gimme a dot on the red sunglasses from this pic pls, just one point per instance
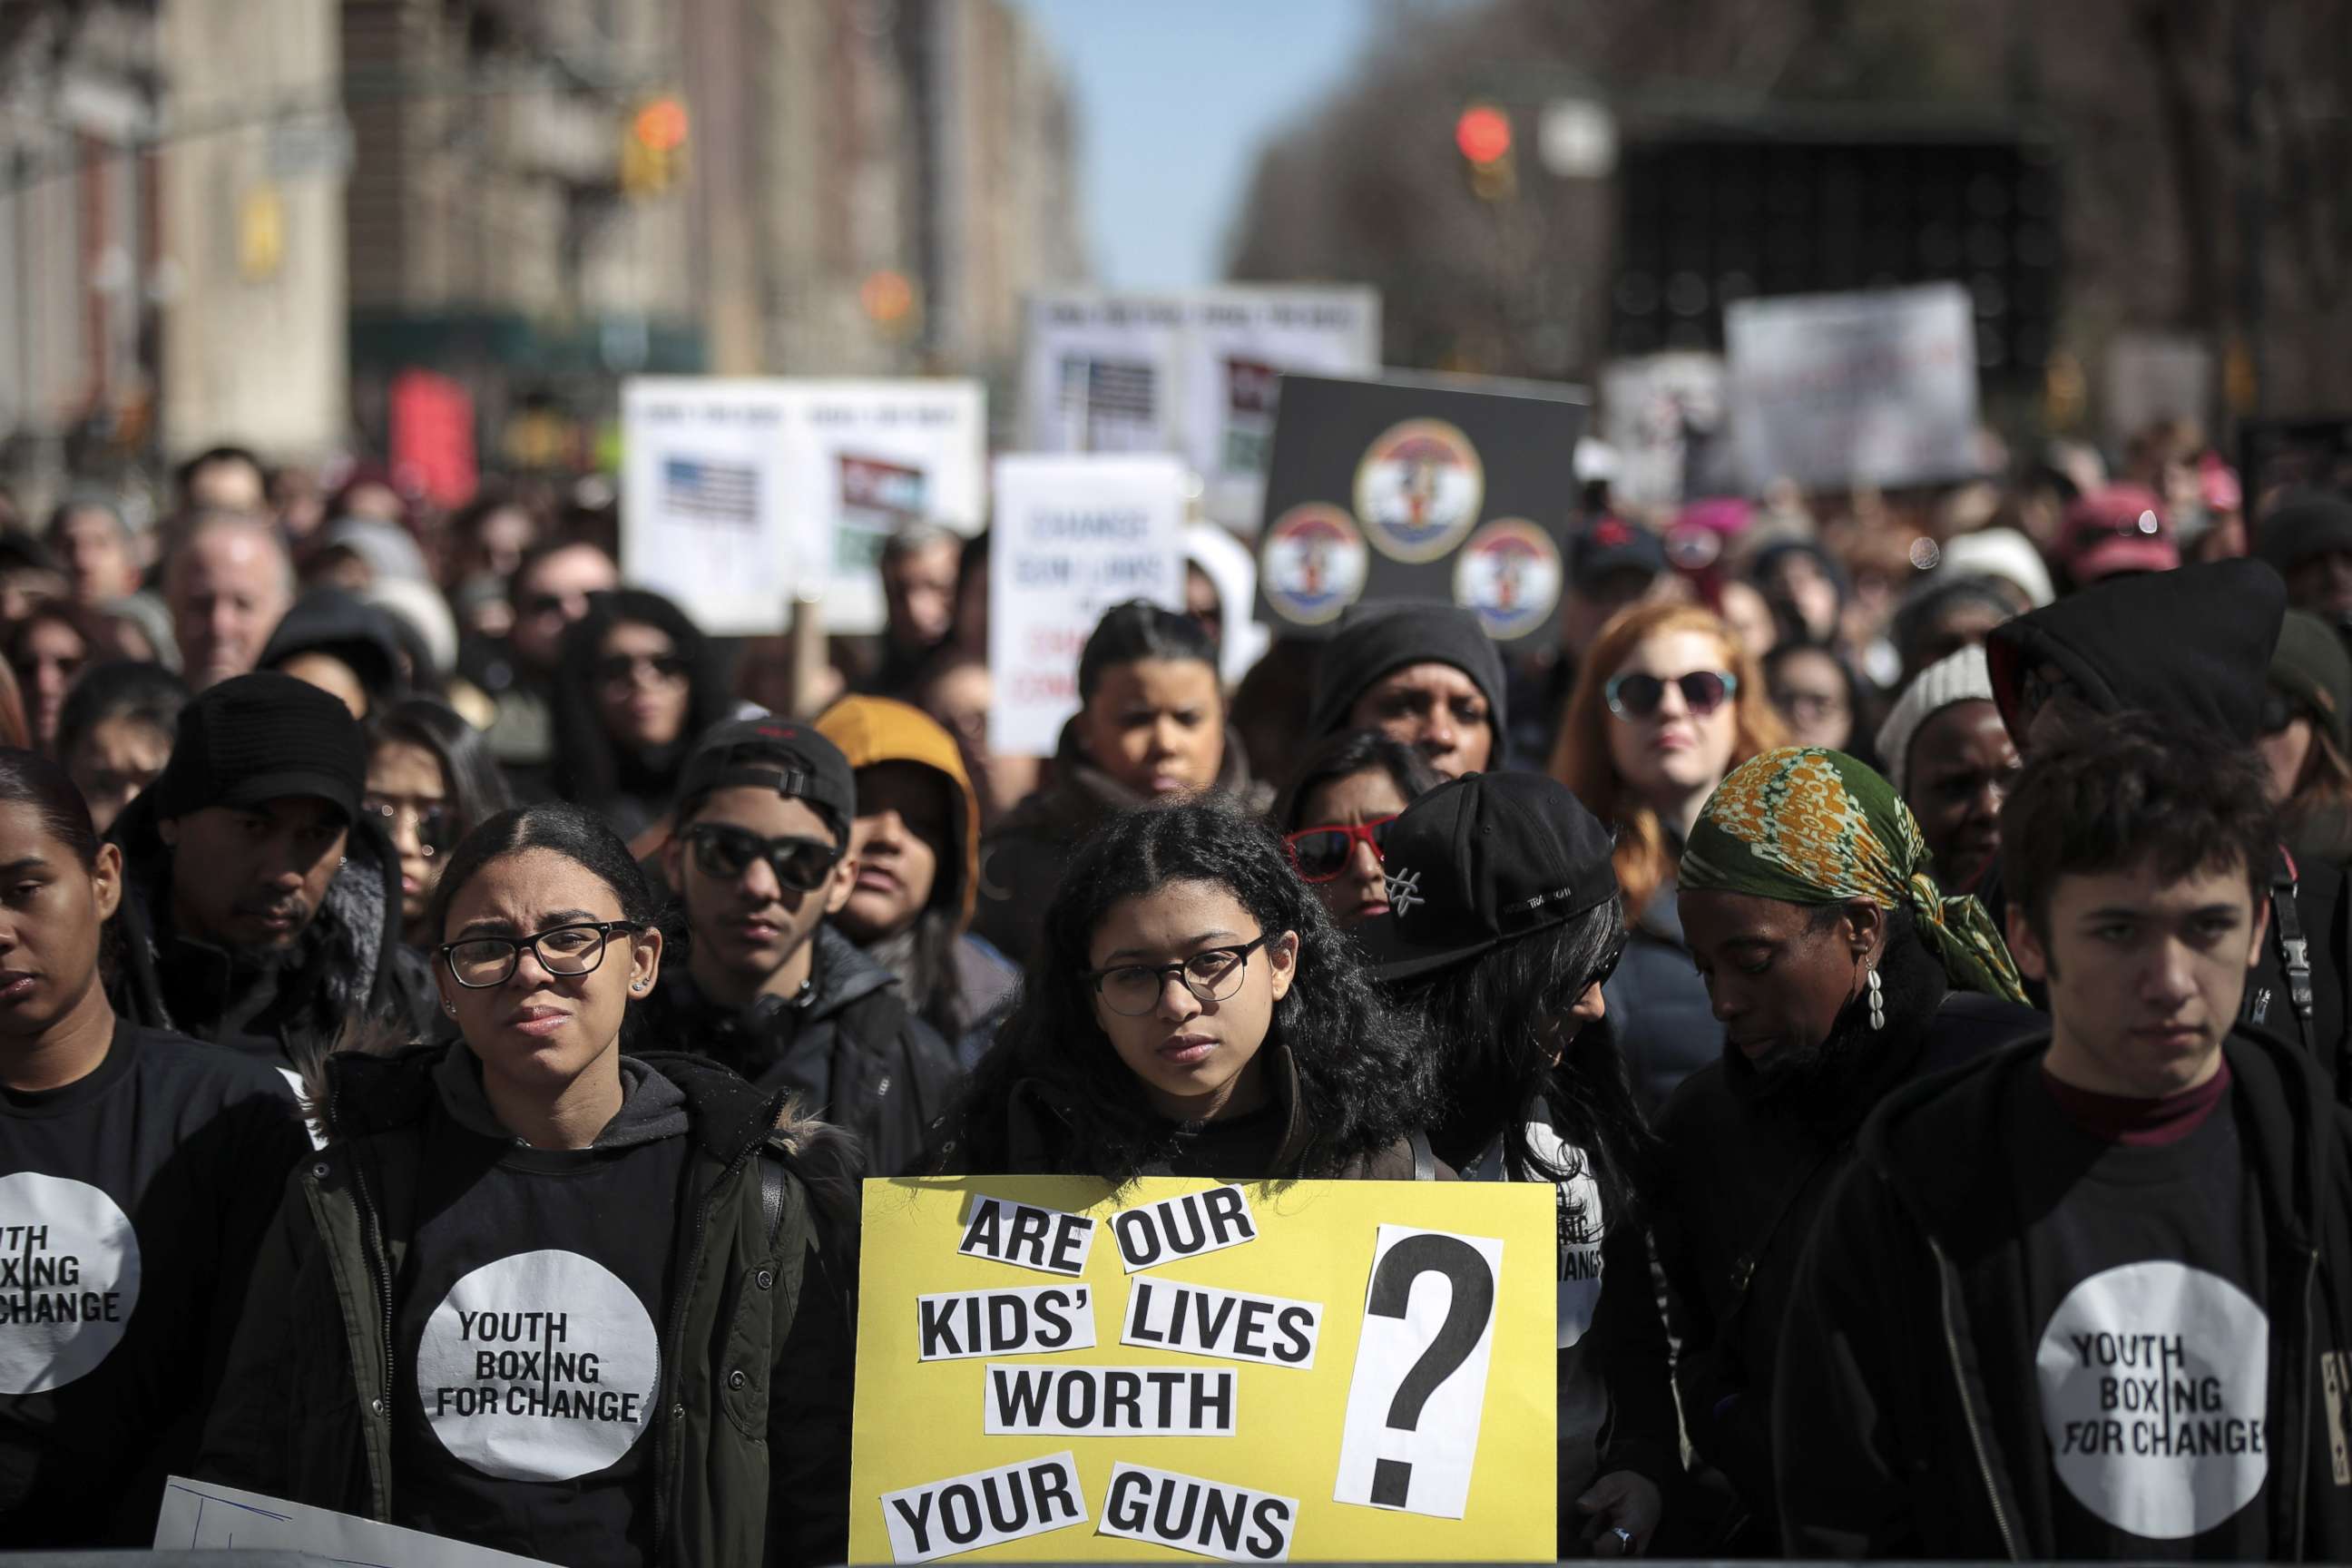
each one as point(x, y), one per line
point(1321, 853)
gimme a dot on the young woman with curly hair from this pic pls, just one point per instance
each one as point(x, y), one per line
point(1192, 1010)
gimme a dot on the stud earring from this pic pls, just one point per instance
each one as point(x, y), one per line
point(1877, 1002)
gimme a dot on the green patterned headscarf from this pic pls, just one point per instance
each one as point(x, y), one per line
point(1807, 825)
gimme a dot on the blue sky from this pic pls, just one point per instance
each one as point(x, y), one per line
point(1175, 96)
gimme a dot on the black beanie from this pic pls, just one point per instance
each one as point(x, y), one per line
point(261, 737)
point(1380, 639)
point(2303, 525)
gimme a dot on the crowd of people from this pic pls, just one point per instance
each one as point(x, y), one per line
point(1917, 962)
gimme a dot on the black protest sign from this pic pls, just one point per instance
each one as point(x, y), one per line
point(1454, 489)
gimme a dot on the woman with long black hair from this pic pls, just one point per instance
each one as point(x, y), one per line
point(430, 778)
point(1191, 1010)
point(635, 684)
point(541, 1295)
point(1504, 919)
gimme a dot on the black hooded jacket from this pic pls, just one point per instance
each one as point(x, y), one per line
point(886, 1075)
point(1744, 1178)
point(348, 969)
point(1907, 1419)
point(2195, 647)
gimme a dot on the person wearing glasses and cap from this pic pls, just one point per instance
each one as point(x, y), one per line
point(1336, 812)
point(759, 861)
point(1190, 1010)
point(1841, 973)
point(537, 1294)
point(1504, 920)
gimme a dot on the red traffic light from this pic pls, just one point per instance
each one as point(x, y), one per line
point(660, 125)
point(1483, 134)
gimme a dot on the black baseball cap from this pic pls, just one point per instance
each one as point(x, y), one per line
point(1612, 544)
point(1482, 860)
point(782, 754)
point(261, 737)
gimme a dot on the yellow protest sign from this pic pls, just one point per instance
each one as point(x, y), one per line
point(1317, 1370)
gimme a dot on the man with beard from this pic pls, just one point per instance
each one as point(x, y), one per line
point(260, 910)
point(1840, 972)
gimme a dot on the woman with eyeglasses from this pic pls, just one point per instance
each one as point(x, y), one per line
point(636, 685)
point(1667, 702)
point(1821, 698)
point(1500, 950)
point(1191, 1010)
point(1335, 813)
point(430, 778)
point(539, 1295)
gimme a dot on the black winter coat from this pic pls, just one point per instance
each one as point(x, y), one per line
point(889, 1073)
point(1907, 1420)
point(1742, 1186)
point(751, 1460)
point(349, 971)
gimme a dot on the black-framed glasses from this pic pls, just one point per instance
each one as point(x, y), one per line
point(1639, 696)
point(621, 668)
point(1212, 974)
point(801, 864)
point(478, 963)
point(435, 829)
point(1320, 854)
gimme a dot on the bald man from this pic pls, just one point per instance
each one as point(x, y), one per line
point(228, 585)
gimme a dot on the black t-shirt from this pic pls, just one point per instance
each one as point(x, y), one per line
point(2146, 1281)
point(531, 1310)
point(131, 1204)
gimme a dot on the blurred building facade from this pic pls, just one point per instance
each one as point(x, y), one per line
point(240, 219)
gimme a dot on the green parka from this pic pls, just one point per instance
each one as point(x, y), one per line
point(750, 1464)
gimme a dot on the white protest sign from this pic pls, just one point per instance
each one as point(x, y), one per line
point(1411, 1428)
point(1193, 373)
point(1072, 537)
point(1206, 1517)
point(703, 516)
point(1874, 388)
point(736, 493)
point(865, 456)
point(1663, 416)
point(964, 1513)
point(198, 1516)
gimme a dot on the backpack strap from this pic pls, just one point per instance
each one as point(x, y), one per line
point(2295, 948)
point(1424, 1158)
point(772, 1198)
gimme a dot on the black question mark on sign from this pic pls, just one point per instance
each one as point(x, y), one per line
point(1466, 1319)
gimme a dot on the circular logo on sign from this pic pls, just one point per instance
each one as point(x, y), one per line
point(68, 1280)
point(538, 1367)
point(1313, 562)
point(1508, 572)
point(1417, 490)
point(2154, 1393)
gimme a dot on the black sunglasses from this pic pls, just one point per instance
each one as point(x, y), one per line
point(435, 830)
point(615, 668)
point(2279, 710)
point(801, 864)
point(1639, 696)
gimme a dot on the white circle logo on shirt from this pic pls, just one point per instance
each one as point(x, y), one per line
point(68, 1280)
point(2155, 1395)
point(538, 1367)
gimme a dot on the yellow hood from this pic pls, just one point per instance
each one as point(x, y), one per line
point(871, 730)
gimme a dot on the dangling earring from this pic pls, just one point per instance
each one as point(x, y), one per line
point(1877, 1002)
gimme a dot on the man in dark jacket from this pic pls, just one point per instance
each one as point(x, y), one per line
point(2195, 646)
point(2092, 1296)
point(760, 859)
point(260, 910)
